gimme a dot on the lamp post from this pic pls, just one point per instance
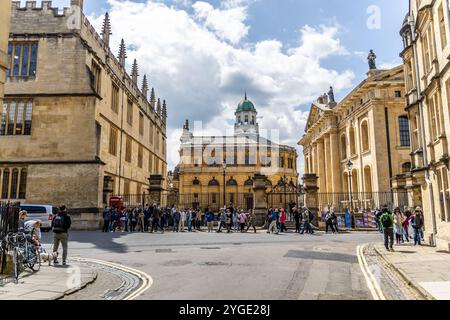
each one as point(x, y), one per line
point(352, 213)
point(224, 165)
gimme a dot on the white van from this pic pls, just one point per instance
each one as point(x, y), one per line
point(43, 213)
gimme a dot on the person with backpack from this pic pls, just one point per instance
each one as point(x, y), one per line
point(273, 223)
point(297, 220)
point(251, 221)
point(377, 220)
point(329, 222)
point(387, 223)
point(283, 218)
point(398, 226)
point(61, 224)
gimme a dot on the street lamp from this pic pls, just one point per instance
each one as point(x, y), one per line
point(224, 165)
point(350, 169)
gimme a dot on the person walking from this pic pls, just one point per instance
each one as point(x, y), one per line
point(131, 219)
point(406, 223)
point(148, 211)
point(189, 220)
point(242, 220)
point(334, 218)
point(283, 218)
point(273, 223)
point(183, 216)
point(210, 221)
point(387, 223)
point(176, 220)
point(297, 220)
point(398, 226)
point(417, 224)
point(235, 221)
point(106, 219)
point(306, 215)
point(222, 218)
point(251, 220)
point(329, 222)
point(229, 220)
point(156, 219)
point(61, 224)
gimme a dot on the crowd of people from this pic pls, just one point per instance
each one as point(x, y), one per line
point(401, 225)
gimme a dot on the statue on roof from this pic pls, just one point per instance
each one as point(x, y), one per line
point(331, 95)
point(372, 60)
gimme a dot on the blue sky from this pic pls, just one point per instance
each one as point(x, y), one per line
point(202, 55)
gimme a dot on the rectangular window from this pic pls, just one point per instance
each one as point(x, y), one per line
point(150, 162)
point(281, 162)
point(128, 149)
point(22, 59)
point(157, 140)
point(113, 141)
point(442, 32)
point(405, 139)
point(140, 156)
point(164, 147)
point(15, 118)
point(141, 124)
point(151, 133)
point(96, 72)
point(130, 112)
point(126, 187)
point(5, 184)
point(115, 98)
point(426, 53)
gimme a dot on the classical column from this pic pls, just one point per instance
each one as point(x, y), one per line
point(335, 163)
point(155, 189)
point(260, 198)
point(310, 189)
point(328, 165)
point(321, 166)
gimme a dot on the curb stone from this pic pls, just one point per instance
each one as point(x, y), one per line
point(414, 285)
point(83, 285)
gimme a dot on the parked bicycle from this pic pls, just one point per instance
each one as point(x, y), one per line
point(26, 255)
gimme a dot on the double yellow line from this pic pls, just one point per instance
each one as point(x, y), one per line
point(146, 279)
point(372, 283)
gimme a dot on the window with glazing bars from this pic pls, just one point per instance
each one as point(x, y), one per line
point(15, 118)
point(22, 59)
point(405, 139)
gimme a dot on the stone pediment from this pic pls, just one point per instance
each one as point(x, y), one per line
point(316, 112)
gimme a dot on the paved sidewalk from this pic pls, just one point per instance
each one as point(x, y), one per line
point(49, 283)
point(425, 268)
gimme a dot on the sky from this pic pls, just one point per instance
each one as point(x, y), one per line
point(201, 56)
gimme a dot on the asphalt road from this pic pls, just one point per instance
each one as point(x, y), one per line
point(197, 266)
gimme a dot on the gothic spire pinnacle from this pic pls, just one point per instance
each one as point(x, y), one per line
point(145, 86)
point(106, 30)
point(164, 110)
point(158, 107)
point(122, 53)
point(153, 99)
point(135, 71)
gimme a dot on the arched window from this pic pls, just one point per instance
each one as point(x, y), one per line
point(14, 183)
point(248, 183)
point(23, 184)
point(355, 187)
point(214, 183)
point(352, 142)
point(405, 139)
point(196, 182)
point(5, 184)
point(232, 183)
point(345, 182)
point(365, 136)
point(406, 167)
point(367, 180)
point(343, 147)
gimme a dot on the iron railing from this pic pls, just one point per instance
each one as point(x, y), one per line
point(9, 222)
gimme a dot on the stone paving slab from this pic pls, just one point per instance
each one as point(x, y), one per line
point(49, 283)
point(425, 268)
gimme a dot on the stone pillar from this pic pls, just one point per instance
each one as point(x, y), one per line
point(321, 166)
point(260, 198)
point(313, 159)
point(328, 163)
point(155, 189)
point(335, 163)
point(310, 189)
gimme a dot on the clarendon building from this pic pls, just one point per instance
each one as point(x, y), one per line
point(216, 171)
point(354, 147)
point(426, 53)
point(75, 127)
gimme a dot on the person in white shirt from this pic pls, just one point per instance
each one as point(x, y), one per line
point(34, 228)
point(183, 220)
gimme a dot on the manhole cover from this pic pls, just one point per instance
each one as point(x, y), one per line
point(163, 250)
point(176, 263)
point(214, 264)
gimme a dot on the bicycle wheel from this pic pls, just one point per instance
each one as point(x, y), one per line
point(35, 259)
point(17, 261)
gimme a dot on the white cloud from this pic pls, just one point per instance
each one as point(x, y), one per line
point(227, 24)
point(203, 75)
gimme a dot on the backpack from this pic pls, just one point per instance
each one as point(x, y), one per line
point(58, 224)
point(386, 221)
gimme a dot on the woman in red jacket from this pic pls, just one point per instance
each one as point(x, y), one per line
point(282, 220)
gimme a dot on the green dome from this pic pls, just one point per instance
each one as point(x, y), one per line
point(246, 105)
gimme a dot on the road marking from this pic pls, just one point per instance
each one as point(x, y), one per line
point(146, 279)
point(372, 283)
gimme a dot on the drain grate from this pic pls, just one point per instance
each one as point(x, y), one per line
point(215, 264)
point(210, 248)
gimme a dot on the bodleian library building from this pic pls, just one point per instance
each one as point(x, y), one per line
point(75, 127)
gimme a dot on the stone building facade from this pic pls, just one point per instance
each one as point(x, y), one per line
point(204, 182)
point(425, 34)
point(5, 12)
point(75, 126)
point(369, 127)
